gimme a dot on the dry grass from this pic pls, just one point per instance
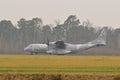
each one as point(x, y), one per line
point(57, 77)
point(29, 64)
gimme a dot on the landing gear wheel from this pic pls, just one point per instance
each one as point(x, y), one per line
point(31, 53)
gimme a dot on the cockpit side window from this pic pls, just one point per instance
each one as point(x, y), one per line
point(30, 46)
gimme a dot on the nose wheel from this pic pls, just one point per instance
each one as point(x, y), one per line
point(31, 53)
point(50, 53)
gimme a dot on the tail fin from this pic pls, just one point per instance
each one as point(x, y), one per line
point(101, 40)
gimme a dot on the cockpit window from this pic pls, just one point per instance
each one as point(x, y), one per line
point(30, 45)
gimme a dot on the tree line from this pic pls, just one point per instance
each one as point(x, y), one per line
point(13, 38)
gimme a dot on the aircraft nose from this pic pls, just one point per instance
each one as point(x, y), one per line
point(26, 49)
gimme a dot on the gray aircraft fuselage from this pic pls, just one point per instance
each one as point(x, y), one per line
point(60, 48)
point(70, 48)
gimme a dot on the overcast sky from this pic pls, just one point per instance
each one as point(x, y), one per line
point(99, 12)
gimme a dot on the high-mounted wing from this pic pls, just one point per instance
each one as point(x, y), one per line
point(60, 44)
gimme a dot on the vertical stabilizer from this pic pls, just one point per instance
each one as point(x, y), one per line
point(101, 40)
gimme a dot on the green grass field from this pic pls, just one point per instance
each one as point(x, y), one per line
point(29, 64)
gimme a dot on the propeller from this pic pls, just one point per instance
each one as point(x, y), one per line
point(47, 42)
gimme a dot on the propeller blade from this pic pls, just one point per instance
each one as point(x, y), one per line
point(47, 41)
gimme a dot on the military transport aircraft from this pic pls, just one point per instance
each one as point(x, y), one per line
point(62, 48)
